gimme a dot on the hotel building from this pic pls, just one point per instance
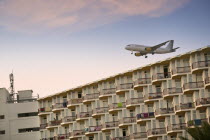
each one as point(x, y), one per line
point(156, 101)
point(18, 116)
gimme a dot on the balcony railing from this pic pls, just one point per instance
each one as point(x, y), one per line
point(160, 76)
point(117, 105)
point(126, 120)
point(184, 106)
point(196, 122)
point(207, 80)
point(75, 101)
point(111, 124)
point(156, 131)
point(76, 133)
point(108, 91)
point(125, 86)
point(142, 81)
point(164, 111)
point(62, 137)
point(121, 138)
point(153, 96)
point(59, 105)
point(92, 96)
point(145, 115)
point(133, 101)
point(181, 70)
point(84, 114)
point(138, 135)
point(43, 125)
point(200, 64)
point(192, 85)
point(44, 109)
point(94, 128)
point(68, 119)
point(100, 110)
point(55, 123)
point(171, 91)
point(203, 101)
point(175, 127)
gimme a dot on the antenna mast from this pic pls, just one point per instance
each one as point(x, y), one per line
point(12, 91)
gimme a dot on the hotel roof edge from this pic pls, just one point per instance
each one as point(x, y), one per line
point(103, 79)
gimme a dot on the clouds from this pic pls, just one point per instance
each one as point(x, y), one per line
point(45, 15)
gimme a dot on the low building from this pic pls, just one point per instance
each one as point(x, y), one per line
point(157, 101)
point(18, 117)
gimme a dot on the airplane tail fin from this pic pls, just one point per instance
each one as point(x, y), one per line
point(170, 45)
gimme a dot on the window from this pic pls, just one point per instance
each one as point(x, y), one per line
point(30, 114)
point(124, 132)
point(24, 130)
point(90, 138)
point(79, 95)
point(2, 132)
point(1, 117)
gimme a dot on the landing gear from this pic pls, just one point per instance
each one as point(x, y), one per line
point(153, 53)
point(131, 52)
point(145, 56)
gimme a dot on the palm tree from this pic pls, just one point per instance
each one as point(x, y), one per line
point(199, 133)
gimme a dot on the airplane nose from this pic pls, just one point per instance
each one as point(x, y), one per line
point(127, 47)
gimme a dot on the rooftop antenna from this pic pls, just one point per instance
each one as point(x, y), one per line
point(12, 91)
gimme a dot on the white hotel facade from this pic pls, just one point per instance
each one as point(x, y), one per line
point(18, 117)
point(157, 101)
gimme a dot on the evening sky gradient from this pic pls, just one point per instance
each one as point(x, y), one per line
point(54, 45)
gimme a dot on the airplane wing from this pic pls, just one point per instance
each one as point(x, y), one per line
point(155, 47)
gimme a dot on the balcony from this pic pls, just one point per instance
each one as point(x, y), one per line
point(156, 78)
point(124, 87)
point(110, 125)
point(83, 115)
point(170, 92)
point(130, 103)
point(44, 110)
point(192, 86)
point(196, 122)
point(141, 82)
point(76, 134)
point(163, 112)
point(184, 107)
point(100, 111)
point(107, 92)
point(92, 130)
point(180, 71)
point(43, 126)
point(59, 106)
point(75, 102)
point(62, 137)
point(91, 97)
point(127, 121)
point(156, 132)
point(207, 82)
point(116, 107)
point(54, 124)
point(138, 135)
point(68, 120)
point(50, 138)
point(176, 128)
point(202, 102)
point(200, 65)
point(121, 138)
point(151, 97)
point(141, 117)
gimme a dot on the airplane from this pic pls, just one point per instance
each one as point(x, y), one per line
point(141, 50)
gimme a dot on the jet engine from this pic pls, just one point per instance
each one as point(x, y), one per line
point(138, 54)
point(148, 49)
